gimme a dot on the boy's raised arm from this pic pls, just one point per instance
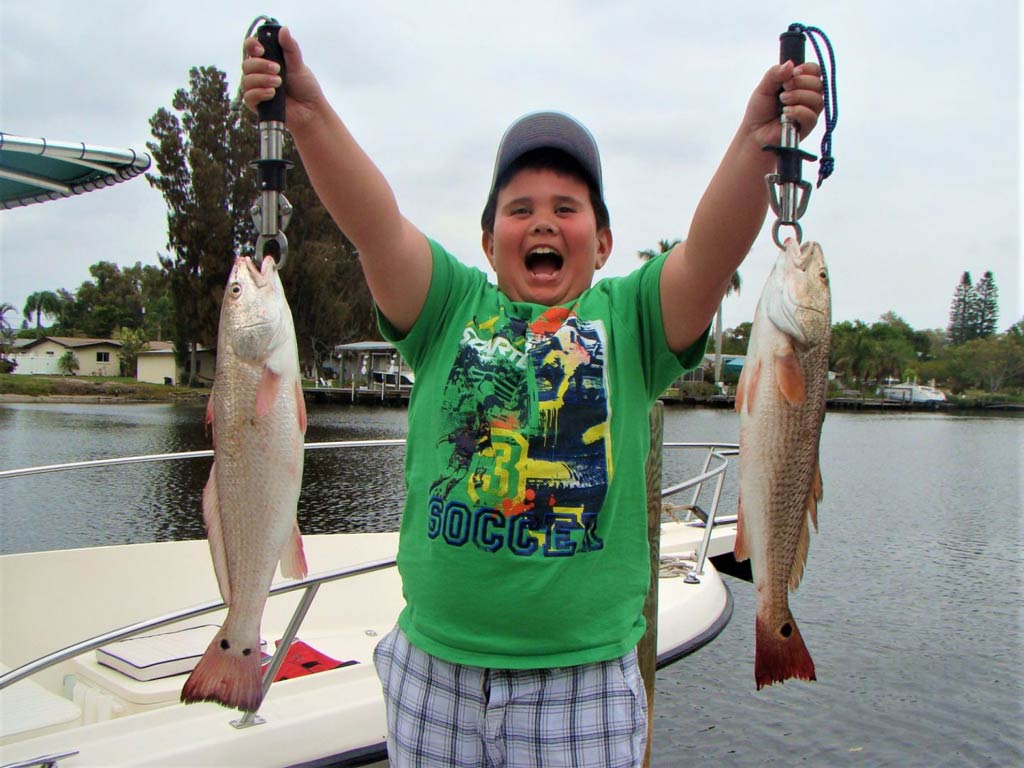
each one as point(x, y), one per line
point(732, 209)
point(394, 254)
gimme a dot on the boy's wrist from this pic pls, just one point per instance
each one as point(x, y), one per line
point(306, 120)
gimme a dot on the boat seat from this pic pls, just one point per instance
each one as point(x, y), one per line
point(29, 709)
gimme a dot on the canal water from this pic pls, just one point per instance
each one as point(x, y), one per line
point(911, 604)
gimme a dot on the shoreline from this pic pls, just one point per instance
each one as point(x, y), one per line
point(717, 403)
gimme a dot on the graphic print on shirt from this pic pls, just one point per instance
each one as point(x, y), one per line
point(526, 407)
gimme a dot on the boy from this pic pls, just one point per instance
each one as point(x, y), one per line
point(523, 548)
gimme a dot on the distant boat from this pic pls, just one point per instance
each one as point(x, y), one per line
point(394, 379)
point(911, 392)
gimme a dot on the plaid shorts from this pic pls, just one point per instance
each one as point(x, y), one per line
point(457, 716)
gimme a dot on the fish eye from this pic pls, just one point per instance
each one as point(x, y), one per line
point(235, 289)
point(823, 274)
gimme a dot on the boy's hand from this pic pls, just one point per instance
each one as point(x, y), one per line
point(801, 99)
point(260, 78)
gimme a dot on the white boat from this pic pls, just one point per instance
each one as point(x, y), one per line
point(60, 706)
point(911, 392)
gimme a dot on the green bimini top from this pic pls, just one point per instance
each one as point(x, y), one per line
point(37, 170)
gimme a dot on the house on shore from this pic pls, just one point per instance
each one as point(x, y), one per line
point(369, 364)
point(96, 357)
point(156, 364)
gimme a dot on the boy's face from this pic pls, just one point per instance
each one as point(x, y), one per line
point(545, 246)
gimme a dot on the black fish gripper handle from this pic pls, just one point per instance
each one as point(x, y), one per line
point(267, 34)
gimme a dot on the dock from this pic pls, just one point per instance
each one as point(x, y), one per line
point(380, 395)
point(393, 396)
point(832, 403)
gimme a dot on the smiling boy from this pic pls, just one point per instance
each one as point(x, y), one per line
point(523, 548)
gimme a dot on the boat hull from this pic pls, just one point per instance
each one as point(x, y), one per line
point(337, 713)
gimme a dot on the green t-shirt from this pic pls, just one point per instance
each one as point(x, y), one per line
point(523, 541)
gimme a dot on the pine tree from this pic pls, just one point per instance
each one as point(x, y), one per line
point(961, 312)
point(201, 150)
point(986, 306)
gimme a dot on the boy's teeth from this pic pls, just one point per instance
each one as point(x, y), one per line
point(543, 261)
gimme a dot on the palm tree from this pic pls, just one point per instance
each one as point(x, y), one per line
point(41, 303)
point(5, 325)
point(664, 246)
point(6, 333)
point(734, 287)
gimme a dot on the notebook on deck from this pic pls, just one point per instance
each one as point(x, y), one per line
point(151, 657)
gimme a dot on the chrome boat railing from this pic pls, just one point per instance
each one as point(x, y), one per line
point(310, 585)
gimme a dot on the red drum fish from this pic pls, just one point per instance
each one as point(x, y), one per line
point(781, 402)
point(258, 417)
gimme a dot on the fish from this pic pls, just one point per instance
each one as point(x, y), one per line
point(258, 418)
point(781, 401)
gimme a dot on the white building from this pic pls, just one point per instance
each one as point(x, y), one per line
point(96, 357)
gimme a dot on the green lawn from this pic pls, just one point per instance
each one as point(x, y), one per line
point(109, 386)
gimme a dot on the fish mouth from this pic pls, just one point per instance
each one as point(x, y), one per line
point(543, 261)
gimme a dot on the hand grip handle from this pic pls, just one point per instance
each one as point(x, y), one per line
point(791, 46)
point(267, 35)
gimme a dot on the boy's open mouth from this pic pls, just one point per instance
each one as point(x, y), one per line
point(543, 261)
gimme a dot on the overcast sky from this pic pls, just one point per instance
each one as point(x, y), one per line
point(927, 180)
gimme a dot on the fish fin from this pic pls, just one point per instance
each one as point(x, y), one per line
point(293, 557)
point(208, 419)
point(790, 377)
point(780, 654)
point(739, 546)
point(266, 391)
point(226, 676)
point(803, 543)
point(816, 495)
point(215, 535)
point(300, 406)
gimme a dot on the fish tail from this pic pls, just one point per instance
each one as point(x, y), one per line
point(227, 676)
point(780, 653)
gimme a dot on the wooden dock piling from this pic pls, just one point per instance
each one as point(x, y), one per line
point(647, 650)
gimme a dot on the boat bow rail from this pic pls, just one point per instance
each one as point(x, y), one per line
point(690, 565)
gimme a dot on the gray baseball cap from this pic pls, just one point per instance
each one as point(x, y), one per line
point(555, 130)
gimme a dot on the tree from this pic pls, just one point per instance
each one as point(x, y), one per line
point(853, 353)
point(734, 287)
point(201, 153)
point(961, 312)
point(132, 341)
point(986, 306)
point(322, 278)
point(5, 324)
point(923, 342)
point(974, 311)
point(736, 340)
point(67, 312)
point(893, 350)
point(68, 362)
point(664, 246)
point(157, 303)
point(111, 300)
point(40, 303)
point(987, 363)
point(6, 338)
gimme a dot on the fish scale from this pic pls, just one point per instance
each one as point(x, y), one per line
point(258, 418)
point(781, 401)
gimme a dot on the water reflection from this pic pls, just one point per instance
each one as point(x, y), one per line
point(343, 491)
